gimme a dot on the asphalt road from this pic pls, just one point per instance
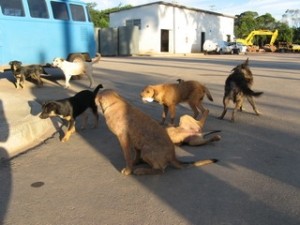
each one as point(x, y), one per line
point(256, 181)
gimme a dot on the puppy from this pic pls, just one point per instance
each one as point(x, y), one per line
point(190, 131)
point(138, 131)
point(76, 68)
point(237, 86)
point(21, 73)
point(169, 95)
point(69, 108)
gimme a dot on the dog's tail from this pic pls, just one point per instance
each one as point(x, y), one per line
point(211, 132)
point(97, 89)
point(194, 163)
point(97, 58)
point(247, 91)
point(208, 95)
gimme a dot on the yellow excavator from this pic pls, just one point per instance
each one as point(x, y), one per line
point(248, 40)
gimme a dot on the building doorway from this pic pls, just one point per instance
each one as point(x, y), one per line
point(164, 40)
point(202, 41)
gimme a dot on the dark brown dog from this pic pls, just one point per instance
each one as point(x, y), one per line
point(21, 73)
point(70, 108)
point(169, 95)
point(136, 130)
point(237, 86)
point(190, 131)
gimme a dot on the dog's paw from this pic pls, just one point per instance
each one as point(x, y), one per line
point(64, 139)
point(216, 138)
point(126, 171)
point(258, 113)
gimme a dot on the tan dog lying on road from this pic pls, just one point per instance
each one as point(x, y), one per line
point(137, 131)
point(190, 131)
point(169, 95)
point(76, 68)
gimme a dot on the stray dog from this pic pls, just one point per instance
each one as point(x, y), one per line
point(136, 130)
point(21, 73)
point(190, 131)
point(76, 68)
point(69, 108)
point(169, 95)
point(237, 85)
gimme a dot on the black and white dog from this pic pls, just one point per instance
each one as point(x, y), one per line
point(70, 108)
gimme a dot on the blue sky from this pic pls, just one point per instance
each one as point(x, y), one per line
point(231, 7)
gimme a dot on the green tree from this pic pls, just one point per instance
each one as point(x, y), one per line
point(244, 24)
point(265, 22)
point(285, 33)
point(249, 21)
point(101, 18)
point(296, 37)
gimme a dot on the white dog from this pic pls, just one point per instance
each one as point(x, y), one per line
point(76, 68)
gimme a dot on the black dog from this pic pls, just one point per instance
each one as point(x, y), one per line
point(26, 72)
point(70, 108)
point(238, 84)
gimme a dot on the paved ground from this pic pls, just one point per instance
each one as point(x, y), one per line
point(79, 182)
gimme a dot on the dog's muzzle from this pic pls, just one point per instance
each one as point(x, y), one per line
point(147, 99)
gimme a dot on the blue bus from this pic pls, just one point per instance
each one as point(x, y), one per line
point(37, 31)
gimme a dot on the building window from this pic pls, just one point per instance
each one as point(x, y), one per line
point(135, 22)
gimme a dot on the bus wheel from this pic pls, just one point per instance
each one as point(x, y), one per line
point(76, 57)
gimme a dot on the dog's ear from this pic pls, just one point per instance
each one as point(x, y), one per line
point(246, 62)
point(180, 80)
point(155, 92)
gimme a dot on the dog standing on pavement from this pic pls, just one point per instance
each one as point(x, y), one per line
point(76, 68)
point(237, 86)
point(69, 108)
point(169, 95)
point(21, 73)
point(137, 131)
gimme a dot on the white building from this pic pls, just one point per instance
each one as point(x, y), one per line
point(169, 27)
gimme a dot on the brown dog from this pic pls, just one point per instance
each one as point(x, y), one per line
point(190, 131)
point(237, 86)
point(169, 95)
point(136, 130)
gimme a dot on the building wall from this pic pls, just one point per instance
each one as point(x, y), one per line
point(185, 27)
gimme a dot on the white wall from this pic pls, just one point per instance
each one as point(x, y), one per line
point(184, 25)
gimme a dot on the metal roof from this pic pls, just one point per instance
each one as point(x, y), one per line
point(177, 6)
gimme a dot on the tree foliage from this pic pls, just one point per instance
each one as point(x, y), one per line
point(101, 18)
point(292, 17)
point(249, 21)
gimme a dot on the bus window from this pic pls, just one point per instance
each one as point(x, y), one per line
point(38, 9)
point(12, 7)
point(88, 14)
point(59, 10)
point(77, 12)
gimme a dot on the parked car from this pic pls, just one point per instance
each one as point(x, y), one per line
point(223, 47)
point(237, 48)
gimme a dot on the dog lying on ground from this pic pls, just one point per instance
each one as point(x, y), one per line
point(76, 68)
point(21, 73)
point(69, 108)
point(190, 131)
point(138, 131)
point(169, 95)
point(237, 86)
